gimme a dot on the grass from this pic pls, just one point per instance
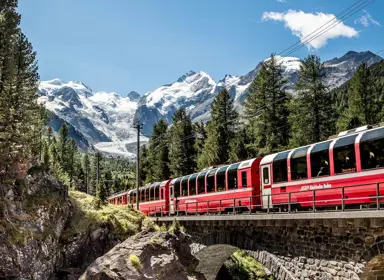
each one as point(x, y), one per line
point(244, 266)
point(135, 261)
point(122, 221)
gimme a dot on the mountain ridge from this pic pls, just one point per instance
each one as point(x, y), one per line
point(106, 120)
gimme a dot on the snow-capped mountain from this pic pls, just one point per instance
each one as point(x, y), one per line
point(105, 120)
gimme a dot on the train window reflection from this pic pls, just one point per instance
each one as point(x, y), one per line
point(244, 179)
point(184, 187)
point(201, 183)
point(220, 179)
point(280, 171)
point(192, 186)
point(211, 181)
point(320, 163)
point(232, 179)
point(299, 168)
point(344, 158)
point(372, 154)
point(177, 189)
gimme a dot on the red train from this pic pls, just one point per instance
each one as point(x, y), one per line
point(345, 171)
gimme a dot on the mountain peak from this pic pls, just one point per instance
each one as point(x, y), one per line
point(186, 75)
point(133, 96)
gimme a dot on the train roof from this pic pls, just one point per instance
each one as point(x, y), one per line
point(360, 130)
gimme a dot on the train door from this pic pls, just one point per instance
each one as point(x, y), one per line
point(266, 186)
point(172, 199)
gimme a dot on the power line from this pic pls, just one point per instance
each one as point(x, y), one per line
point(316, 35)
point(304, 38)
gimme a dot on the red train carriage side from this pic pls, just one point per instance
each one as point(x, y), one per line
point(217, 189)
point(119, 198)
point(318, 171)
point(153, 198)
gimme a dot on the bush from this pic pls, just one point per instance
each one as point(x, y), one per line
point(135, 261)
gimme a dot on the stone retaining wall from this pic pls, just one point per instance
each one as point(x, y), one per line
point(301, 249)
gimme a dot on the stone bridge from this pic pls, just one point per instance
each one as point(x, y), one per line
point(327, 245)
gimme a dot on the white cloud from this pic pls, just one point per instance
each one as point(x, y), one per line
point(282, 1)
point(303, 24)
point(366, 20)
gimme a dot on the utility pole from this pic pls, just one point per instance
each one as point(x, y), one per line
point(138, 127)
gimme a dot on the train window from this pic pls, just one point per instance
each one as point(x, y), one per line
point(279, 167)
point(280, 171)
point(133, 198)
point(265, 175)
point(184, 187)
point(201, 182)
point(177, 189)
point(192, 187)
point(372, 149)
point(211, 181)
point(156, 193)
point(220, 179)
point(171, 191)
point(344, 155)
point(232, 176)
point(299, 164)
point(320, 159)
point(244, 179)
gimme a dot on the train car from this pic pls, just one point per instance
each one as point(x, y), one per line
point(153, 198)
point(234, 187)
point(325, 174)
point(119, 198)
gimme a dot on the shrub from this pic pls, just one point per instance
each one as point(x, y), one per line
point(135, 261)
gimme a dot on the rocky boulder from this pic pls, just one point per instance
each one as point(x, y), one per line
point(147, 255)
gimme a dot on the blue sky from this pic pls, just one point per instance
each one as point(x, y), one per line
point(143, 44)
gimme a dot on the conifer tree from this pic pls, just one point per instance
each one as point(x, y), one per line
point(86, 168)
point(200, 132)
point(63, 146)
point(220, 130)
point(20, 122)
point(365, 103)
point(45, 154)
point(145, 165)
point(312, 116)
point(101, 191)
point(266, 110)
point(182, 155)
point(239, 146)
point(72, 149)
point(159, 152)
point(108, 182)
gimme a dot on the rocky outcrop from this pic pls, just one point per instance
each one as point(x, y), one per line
point(147, 255)
point(47, 234)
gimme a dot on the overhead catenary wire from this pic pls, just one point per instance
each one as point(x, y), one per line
point(321, 32)
point(345, 14)
point(317, 29)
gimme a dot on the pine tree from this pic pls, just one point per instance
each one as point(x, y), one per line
point(365, 103)
point(159, 152)
point(145, 166)
point(266, 110)
point(182, 155)
point(45, 154)
point(239, 146)
point(200, 132)
point(312, 115)
point(63, 147)
point(86, 168)
point(72, 153)
point(20, 122)
point(101, 191)
point(108, 182)
point(220, 130)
